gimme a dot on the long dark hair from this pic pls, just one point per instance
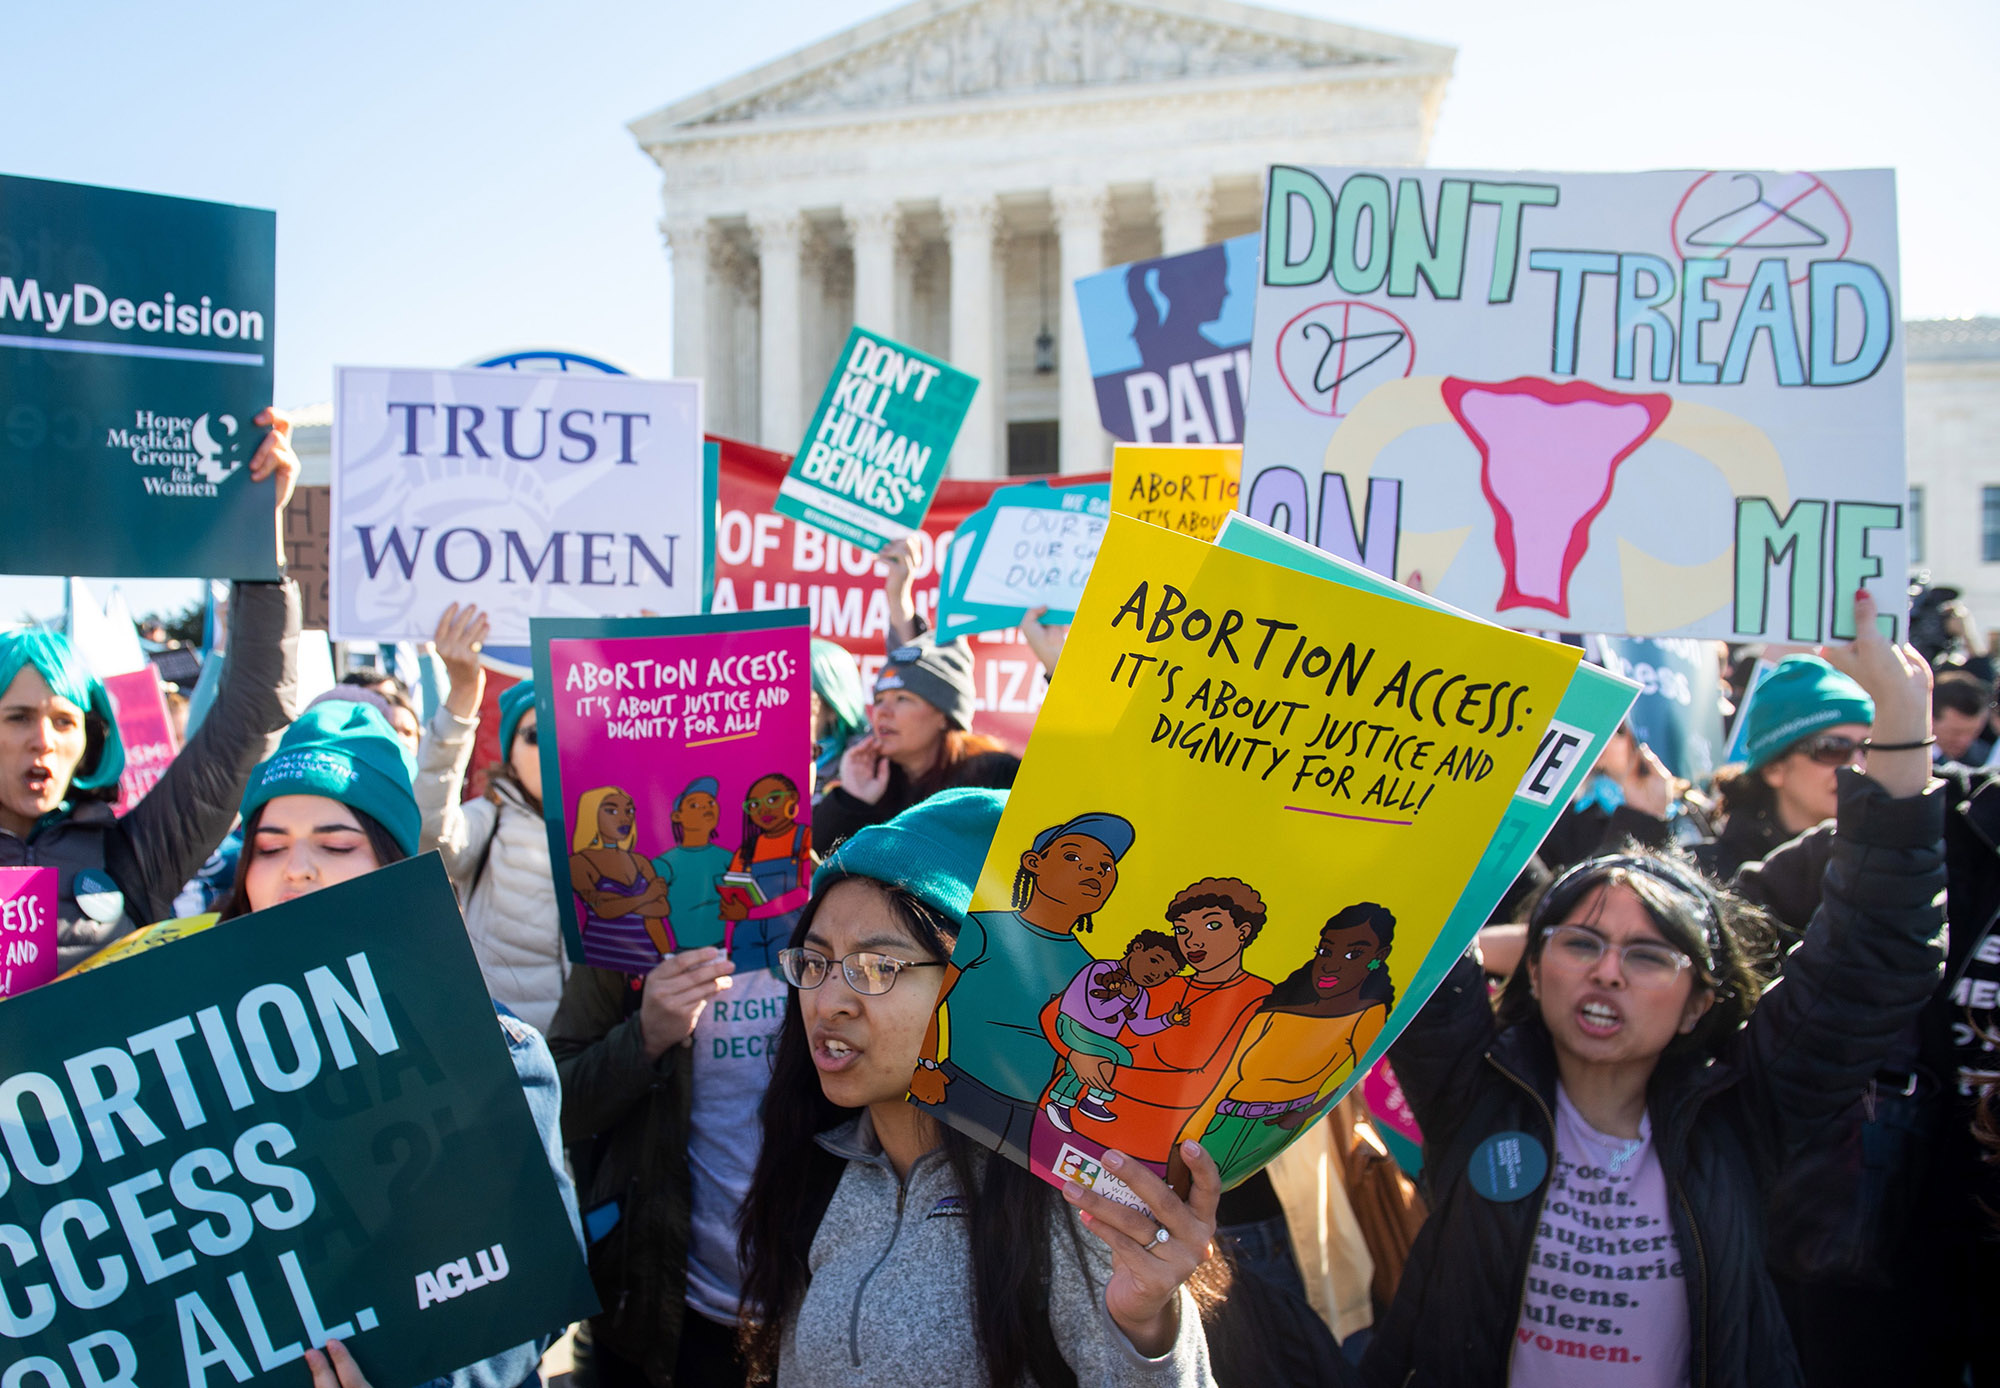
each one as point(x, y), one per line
point(387, 851)
point(1730, 941)
point(795, 1180)
point(1298, 989)
point(1744, 792)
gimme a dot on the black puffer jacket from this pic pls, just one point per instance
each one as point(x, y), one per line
point(1723, 1127)
point(152, 852)
point(625, 1120)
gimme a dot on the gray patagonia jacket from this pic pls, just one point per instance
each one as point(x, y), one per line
point(152, 852)
point(890, 1302)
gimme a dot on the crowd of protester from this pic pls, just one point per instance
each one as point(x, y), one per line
point(1754, 1019)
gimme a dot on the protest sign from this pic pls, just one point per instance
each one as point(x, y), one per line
point(1169, 343)
point(1679, 709)
point(1589, 711)
point(308, 530)
point(135, 353)
point(878, 444)
point(1352, 756)
point(27, 928)
point(144, 938)
point(766, 561)
point(1184, 487)
point(677, 749)
point(299, 1125)
point(1030, 546)
point(1639, 404)
point(145, 728)
point(526, 493)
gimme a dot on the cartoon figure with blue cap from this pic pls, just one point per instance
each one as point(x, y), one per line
point(693, 867)
point(1006, 968)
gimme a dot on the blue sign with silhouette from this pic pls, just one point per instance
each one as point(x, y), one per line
point(1169, 343)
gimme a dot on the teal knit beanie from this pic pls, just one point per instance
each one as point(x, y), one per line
point(346, 752)
point(1802, 696)
point(933, 850)
point(515, 700)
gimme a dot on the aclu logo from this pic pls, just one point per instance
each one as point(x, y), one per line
point(456, 1278)
point(185, 457)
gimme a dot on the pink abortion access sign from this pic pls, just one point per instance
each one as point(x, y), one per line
point(27, 928)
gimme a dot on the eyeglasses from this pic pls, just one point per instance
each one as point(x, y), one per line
point(1648, 963)
point(1833, 750)
point(866, 971)
point(769, 802)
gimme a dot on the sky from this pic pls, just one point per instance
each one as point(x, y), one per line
point(455, 179)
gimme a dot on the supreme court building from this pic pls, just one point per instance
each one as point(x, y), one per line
point(942, 173)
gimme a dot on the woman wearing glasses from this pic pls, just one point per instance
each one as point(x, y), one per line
point(1805, 722)
point(880, 1247)
point(1601, 1153)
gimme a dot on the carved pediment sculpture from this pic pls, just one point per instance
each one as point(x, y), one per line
point(928, 54)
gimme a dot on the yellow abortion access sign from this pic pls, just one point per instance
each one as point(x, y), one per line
point(1249, 805)
point(1183, 487)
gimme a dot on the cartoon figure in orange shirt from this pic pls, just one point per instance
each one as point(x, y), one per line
point(776, 854)
point(1173, 1070)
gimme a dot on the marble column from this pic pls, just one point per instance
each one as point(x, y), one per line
point(1183, 205)
point(688, 242)
point(1079, 218)
point(779, 237)
point(969, 224)
point(872, 229)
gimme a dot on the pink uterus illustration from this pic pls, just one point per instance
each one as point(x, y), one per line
point(1548, 455)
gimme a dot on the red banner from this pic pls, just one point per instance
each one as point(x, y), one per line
point(765, 560)
point(146, 730)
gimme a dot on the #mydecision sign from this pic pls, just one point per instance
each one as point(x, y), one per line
point(135, 352)
point(296, 1126)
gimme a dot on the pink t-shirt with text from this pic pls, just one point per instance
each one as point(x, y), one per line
point(1606, 1302)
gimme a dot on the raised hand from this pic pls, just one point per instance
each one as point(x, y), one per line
point(1898, 679)
point(461, 635)
point(1045, 641)
point(675, 994)
point(1147, 1271)
point(864, 771)
point(274, 458)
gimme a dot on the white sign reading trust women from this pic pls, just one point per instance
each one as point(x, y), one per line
point(528, 494)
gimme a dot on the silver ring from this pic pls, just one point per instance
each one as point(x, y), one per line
point(1160, 1236)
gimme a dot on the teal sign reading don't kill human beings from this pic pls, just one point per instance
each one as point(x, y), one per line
point(136, 334)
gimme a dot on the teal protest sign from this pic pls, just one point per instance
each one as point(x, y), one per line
point(1587, 714)
point(296, 1126)
point(1029, 546)
point(877, 446)
point(135, 352)
point(1679, 710)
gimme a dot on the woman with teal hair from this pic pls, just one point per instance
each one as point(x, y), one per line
point(839, 710)
point(60, 757)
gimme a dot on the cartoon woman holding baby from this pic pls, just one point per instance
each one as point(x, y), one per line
point(624, 915)
point(1305, 1039)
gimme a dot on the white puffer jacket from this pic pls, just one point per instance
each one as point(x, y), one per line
point(510, 904)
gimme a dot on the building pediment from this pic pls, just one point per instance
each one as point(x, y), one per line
point(934, 53)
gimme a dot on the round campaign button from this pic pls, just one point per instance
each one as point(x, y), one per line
point(98, 897)
point(1508, 1166)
